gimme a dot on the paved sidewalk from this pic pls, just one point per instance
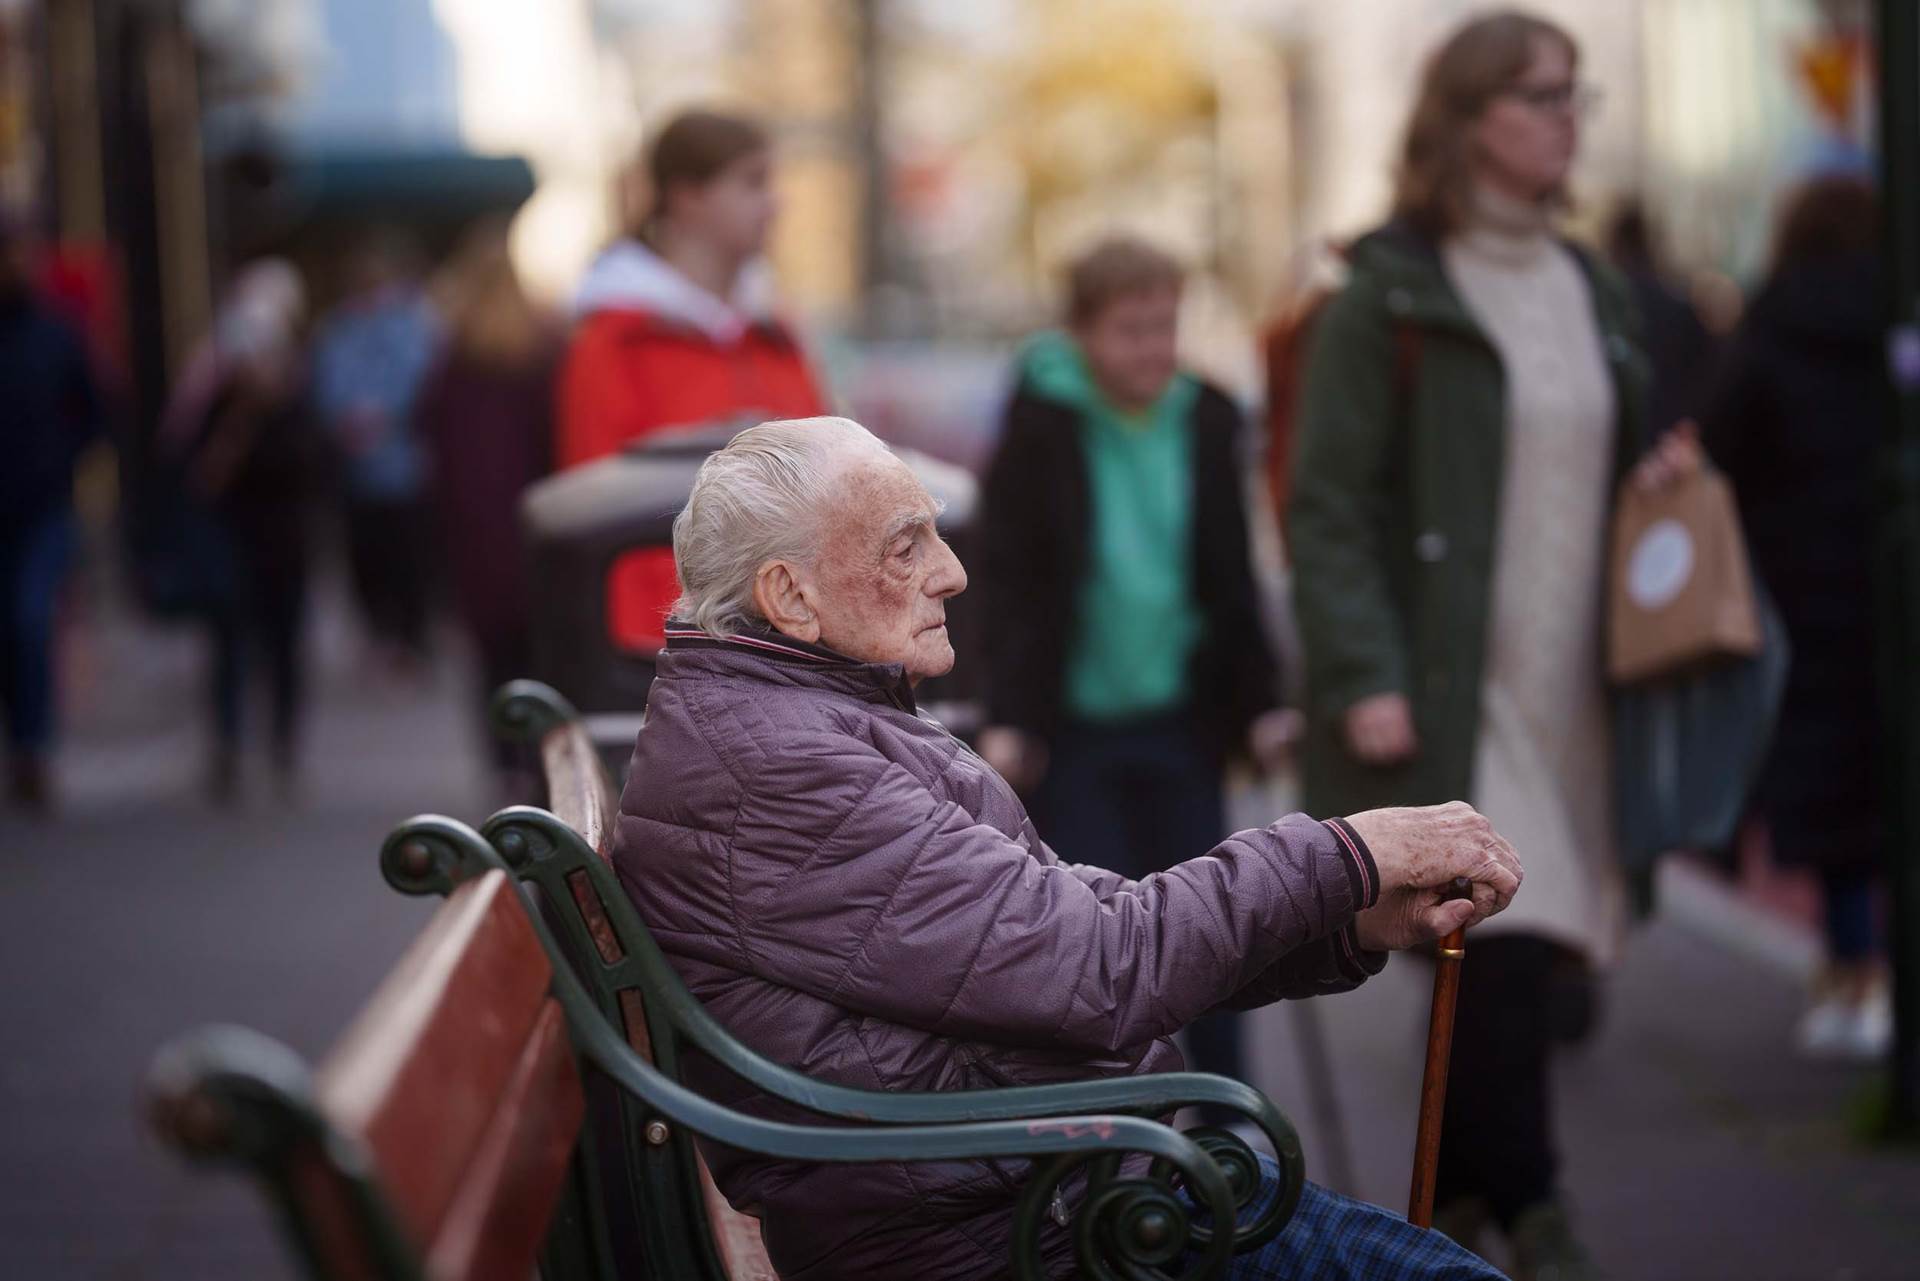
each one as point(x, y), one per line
point(143, 910)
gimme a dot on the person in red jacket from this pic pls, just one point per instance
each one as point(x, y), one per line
point(674, 330)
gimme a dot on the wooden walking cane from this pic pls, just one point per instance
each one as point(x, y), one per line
point(1433, 1085)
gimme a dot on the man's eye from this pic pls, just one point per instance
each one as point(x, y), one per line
point(905, 552)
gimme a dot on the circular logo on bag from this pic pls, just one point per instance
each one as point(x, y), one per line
point(1661, 564)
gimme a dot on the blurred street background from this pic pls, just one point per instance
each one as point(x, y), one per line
point(185, 850)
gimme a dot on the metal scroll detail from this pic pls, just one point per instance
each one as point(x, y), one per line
point(523, 711)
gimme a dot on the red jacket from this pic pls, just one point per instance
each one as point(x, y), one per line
point(654, 351)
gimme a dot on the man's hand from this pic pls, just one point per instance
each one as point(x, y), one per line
point(1015, 755)
point(1418, 853)
point(1380, 730)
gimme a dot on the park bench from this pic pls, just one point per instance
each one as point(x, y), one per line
point(454, 1131)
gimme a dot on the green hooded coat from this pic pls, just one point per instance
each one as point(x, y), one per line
point(1401, 446)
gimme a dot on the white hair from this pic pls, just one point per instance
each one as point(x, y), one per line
point(759, 499)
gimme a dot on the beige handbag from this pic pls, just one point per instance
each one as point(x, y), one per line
point(1681, 590)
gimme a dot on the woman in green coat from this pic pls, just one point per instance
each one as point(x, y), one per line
point(1471, 399)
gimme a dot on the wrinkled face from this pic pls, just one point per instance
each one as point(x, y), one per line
point(1525, 140)
point(881, 584)
point(1131, 346)
point(735, 208)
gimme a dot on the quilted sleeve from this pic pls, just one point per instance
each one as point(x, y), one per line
point(856, 883)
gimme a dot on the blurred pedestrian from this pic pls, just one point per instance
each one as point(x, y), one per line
point(51, 413)
point(1795, 422)
point(1126, 660)
point(676, 328)
point(486, 414)
point(239, 442)
point(1471, 398)
point(368, 362)
point(1676, 340)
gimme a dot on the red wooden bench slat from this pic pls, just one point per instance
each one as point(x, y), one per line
point(326, 1206)
point(605, 941)
point(577, 790)
point(577, 794)
point(499, 1216)
point(735, 1235)
point(421, 1073)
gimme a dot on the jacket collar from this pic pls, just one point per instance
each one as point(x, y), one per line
point(1407, 261)
point(628, 276)
point(1413, 283)
point(762, 652)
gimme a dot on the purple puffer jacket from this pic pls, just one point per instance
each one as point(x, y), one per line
point(854, 894)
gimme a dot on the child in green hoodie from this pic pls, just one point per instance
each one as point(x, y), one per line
point(1125, 658)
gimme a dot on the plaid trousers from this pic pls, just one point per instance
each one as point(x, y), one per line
point(1335, 1238)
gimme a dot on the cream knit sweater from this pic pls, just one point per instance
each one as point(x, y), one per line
point(1541, 771)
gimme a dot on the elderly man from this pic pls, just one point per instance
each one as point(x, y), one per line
point(855, 894)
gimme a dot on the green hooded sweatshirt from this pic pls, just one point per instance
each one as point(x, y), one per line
point(1135, 619)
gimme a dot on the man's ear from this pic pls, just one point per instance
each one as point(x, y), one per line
point(782, 601)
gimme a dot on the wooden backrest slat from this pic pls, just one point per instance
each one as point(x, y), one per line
point(577, 789)
point(594, 913)
point(420, 1074)
point(581, 796)
point(494, 1227)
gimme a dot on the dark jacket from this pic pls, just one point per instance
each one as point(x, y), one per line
point(488, 426)
point(1035, 526)
point(267, 500)
point(1392, 525)
point(855, 894)
point(1796, 421)
point(51, 412)
point(1679, 348)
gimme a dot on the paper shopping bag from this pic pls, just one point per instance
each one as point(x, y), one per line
point(1681, 591)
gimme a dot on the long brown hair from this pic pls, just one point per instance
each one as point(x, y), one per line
point(490, 319)
point(1479, 62)
point(1836, 216)
point(693, 147)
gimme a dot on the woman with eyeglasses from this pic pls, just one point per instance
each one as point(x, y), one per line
point(1471, 399)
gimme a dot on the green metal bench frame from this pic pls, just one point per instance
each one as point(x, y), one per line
point(230, 1096)
point(1130, 1221)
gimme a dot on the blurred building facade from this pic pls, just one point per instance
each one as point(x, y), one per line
point(938, 161)
point(1010, 132)
point(1709, 107)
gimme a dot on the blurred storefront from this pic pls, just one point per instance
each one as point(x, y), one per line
point(100, 162)
point(1742, 100)
point(938, 161)
point(1709, 108)
point(991, 140)
point(153, 145)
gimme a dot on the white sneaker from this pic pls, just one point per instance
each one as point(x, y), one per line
point(1826, 1030)
point(1870, 1027)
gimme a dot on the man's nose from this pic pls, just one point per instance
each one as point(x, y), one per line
point(949, 576)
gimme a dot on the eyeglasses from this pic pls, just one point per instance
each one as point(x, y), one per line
point(1579, 99)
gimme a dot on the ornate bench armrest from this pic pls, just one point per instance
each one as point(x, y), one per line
point(229, 1095)
point(431, 854)
point(1128, 1226)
